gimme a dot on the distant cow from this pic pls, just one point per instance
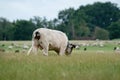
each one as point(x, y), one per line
point(117, 49)
point(48, 39)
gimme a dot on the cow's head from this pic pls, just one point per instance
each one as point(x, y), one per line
point(70, 48)
point(36, 35)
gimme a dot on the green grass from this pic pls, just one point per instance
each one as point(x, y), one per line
point(81, 65)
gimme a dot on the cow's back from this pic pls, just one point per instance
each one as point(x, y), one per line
point(53, 37)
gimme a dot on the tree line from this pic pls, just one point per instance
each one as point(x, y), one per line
point(92, 21)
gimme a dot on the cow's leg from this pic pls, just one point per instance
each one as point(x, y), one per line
point(35, 49)
point(62, 48)
point(45, 51)
point(45, 48)
point(32, 48)
point(62, 51)
point(29, 51)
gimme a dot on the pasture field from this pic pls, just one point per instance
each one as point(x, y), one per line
point(98, 62)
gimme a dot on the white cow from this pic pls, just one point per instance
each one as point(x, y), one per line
point(48, 39)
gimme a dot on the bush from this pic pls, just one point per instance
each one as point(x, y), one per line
point(114, 30)
point(101, 34)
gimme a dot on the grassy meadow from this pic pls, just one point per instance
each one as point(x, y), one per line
point(98, 62)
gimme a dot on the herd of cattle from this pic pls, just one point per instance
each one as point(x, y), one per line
point(13, 47)
point(48, 39)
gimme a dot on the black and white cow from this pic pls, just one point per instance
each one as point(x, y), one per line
point(48, 39)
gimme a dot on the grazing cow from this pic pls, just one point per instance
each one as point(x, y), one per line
point(117, 49)
point(48, 39)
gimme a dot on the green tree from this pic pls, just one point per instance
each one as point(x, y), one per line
point(23, 30)
point(67, 25)
point(101, 34)
point(82, 21)
point(114, 30)
point(6, 29)
point(37, 21)
point(42, 22)
point(73, 23)
point(101, 14)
